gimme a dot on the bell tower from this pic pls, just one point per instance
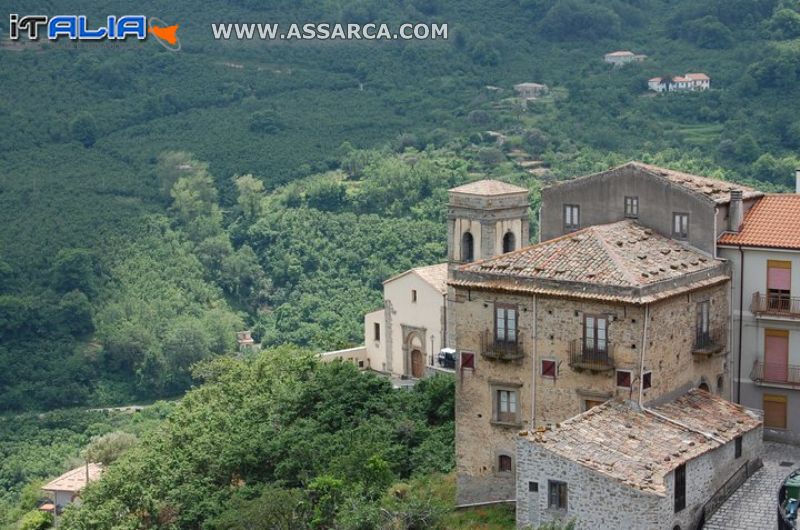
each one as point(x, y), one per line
point(485, 219)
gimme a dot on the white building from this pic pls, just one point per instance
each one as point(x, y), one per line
point(530, 90)
point(686, 83)
point(621, 466)
point(623, 57)
point(66, 489)
point(405, 337)
point(765, 257)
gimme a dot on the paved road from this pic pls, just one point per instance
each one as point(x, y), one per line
point(753, 506)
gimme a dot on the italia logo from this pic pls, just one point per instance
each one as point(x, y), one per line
point(77, 28)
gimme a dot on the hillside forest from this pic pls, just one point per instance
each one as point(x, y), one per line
point(154, 203)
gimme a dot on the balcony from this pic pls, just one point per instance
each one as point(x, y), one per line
point(587, 357)
point(775, 373)
point(775, 305)
point(501, 350)
point(711, 342)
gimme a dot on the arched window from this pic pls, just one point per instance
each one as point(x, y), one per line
point(509, 242)
point(703, 386)
point(720, 384)
point(467, 247)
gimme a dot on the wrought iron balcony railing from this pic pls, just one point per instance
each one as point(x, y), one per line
point(779, 305)
point(775, 373)
point(501, 350)
point(593, 356)
point(710, 342)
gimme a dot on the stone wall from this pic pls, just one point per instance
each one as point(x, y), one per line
point(602, 200)
point(598, 501)
point(557, 324)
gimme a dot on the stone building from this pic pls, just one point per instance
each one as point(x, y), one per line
point(679, 205)
point(405, 337)
point(765, 255)
point(551, 330)
point(620, 465)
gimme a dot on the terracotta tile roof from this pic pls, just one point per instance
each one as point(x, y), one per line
point(435, 275)
point(74, 480)
point(774, 221)
point(624, 254)
point(639, 447)
point(717, 190)
point(488, 187)
point(511, 286)
point(698, 77)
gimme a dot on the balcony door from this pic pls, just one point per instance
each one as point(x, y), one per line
point(776, 355)
point(595, 335)
point(779, 285)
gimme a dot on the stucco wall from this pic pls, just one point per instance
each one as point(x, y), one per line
point(376, 349)
point(602, 200)
point(752, 328)
point(422, 318)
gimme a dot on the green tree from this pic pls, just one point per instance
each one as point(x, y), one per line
point(746, 148)
point(785, 23)
point(251, 193)
point(75, 313)
point(274, 509)
point(84, 129)
point(172, 165)
point(36, 520)
point(74, 269)
point(107, 448)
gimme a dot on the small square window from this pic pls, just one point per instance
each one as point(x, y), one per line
point(680, 225)
point(414, 295)
point(548, 368)
point(737, 444)
point(624, 378)
point(556, 495)
point(572, 217)
point(533, 487)
point(632, 207)
point(504, 463)
point(647, 380)
point(467, 360)
point(506, 406)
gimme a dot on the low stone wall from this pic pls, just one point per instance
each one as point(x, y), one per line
point(357, 356)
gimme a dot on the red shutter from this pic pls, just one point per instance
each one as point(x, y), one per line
point(467, 360)
point(548, 368)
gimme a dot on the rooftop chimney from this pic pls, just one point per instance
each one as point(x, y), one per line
point(735, 211)
point(797, 180)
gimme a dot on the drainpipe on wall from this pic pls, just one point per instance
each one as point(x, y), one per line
point(642, 350)
point(532, 425)
point(741, 308)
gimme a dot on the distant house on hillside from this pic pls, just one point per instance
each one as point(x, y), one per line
point(623, 57)
point(530, 90)
point(686, 83)
point(66, 489)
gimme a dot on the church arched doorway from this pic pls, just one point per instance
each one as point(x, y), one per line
point(417, 364)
